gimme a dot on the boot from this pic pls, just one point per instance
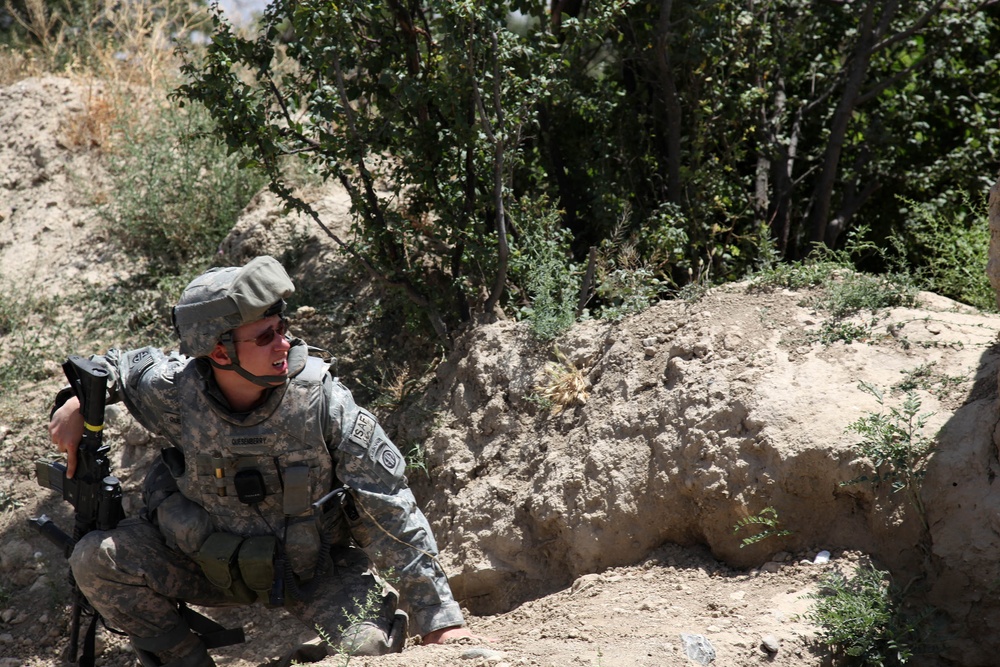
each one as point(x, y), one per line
point(188, 652)
point(313, 650)
point(374, 638)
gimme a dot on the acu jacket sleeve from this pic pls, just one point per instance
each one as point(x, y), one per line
point(401, 543)
point(143, 380)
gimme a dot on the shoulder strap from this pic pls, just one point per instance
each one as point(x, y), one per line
point(314, 370)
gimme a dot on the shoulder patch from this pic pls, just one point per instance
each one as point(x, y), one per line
point(364, 428)
point(139, 363)
point(388, 459)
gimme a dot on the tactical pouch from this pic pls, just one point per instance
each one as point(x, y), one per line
point(217, 558)
point(185, 525)
point(256, 561)
point(297, 492)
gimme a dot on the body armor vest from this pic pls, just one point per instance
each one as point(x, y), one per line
point(259, 474)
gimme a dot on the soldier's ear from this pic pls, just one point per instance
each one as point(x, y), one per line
point(219, 355)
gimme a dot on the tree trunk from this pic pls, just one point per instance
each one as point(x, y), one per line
point(671, 102)
point(857, 72)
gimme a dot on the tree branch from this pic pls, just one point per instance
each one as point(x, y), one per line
point(497, 139)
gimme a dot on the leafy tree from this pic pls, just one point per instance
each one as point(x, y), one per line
point(400, 102)
point(700, 135)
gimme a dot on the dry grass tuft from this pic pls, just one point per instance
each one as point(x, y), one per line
point(127, 44)
point(45, 26)
point(91, 128)
point(564, 384)
point(17, 65)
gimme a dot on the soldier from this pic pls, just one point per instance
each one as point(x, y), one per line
point(244, 505)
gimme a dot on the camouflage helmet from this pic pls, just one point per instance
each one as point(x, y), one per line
point(222, 299)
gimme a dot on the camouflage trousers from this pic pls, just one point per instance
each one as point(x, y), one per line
point(135, 580)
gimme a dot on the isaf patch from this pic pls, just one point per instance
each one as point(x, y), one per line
point(364, 428)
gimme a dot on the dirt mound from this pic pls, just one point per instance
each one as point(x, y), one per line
point(598, 528)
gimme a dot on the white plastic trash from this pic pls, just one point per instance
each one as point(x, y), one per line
point(822, 557)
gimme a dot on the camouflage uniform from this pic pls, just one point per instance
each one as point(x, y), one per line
point(305, 439)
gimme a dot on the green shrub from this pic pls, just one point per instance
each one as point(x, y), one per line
point(541, 261)
point(845, 293)
point(951, 246)
point(894, 444)
point(861, 619)
point(769, 526)
point(175, 190)
point(27, 334)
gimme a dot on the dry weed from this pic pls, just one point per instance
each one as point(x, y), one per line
point(91, 128)
point(128, 44)
point(564, 383)
point(396, 387)
point(45, 26)
point(145, 34)
point(16, 65)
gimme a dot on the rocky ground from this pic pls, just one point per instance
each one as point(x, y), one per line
point(600, 534)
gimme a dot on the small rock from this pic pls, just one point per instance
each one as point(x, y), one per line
point(770, 567)
point(485, 653)
point(114, 415)
point(7, 616)
point(584, 582)
point(41, 584)
point(770, 644)
point(698, 648)
point(137, 436)
point(6, 638)
point(15, 555)
point(51, 368)
point(305, 312)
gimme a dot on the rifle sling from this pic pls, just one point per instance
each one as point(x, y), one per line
point(87, 656)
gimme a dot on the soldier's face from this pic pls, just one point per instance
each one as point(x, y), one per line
point(269, 358)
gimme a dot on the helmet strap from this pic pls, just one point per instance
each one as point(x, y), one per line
point(266, 381)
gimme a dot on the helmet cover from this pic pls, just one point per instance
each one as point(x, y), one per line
point(224, 298)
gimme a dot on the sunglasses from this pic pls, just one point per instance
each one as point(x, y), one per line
point(266, 338)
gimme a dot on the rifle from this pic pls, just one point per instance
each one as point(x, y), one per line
point(94, 493)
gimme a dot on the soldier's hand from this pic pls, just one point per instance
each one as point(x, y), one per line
point(65, 431)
